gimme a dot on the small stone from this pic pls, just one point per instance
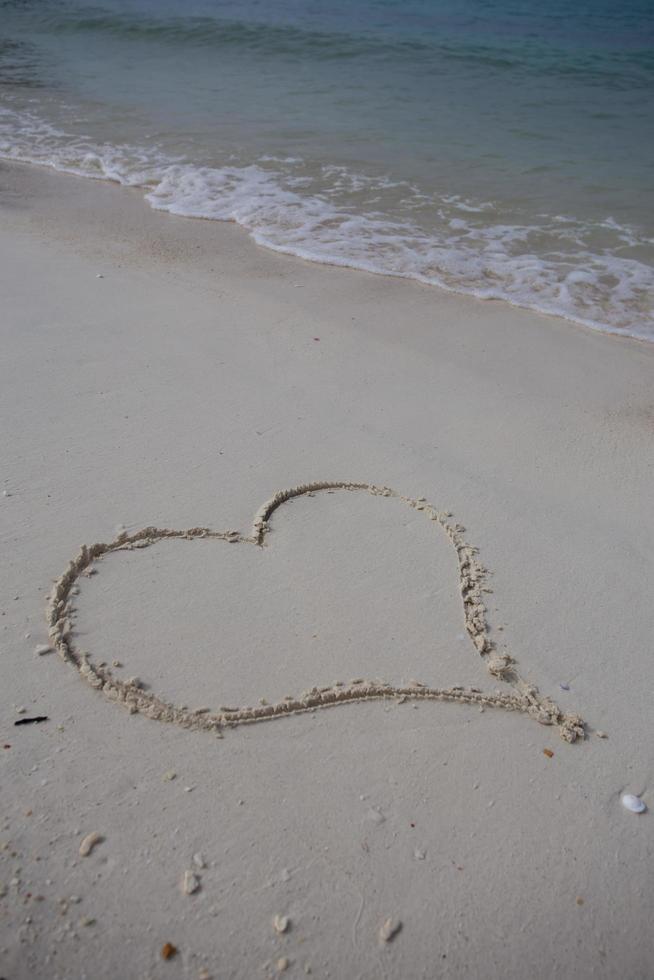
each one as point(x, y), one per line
point(282, 964)
point(42, 649)
point(419, 855)
point(168, 951)
point(190, 883)
point(169, 776)
point(198, 860)
point(281, 923)
point(389, 930)
point(86, 920)
point(89, 842)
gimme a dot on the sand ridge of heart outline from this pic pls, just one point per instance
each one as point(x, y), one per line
point(525, 697)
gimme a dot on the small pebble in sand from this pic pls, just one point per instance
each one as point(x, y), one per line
point(198, 859)
point(601, 734)
point(190, 883)
point(389, 930)
point(5, 493)
point(282, 964)
point(281, 923)
point(204, 974)
point(86, 920)
point(633, 803)
point(21, 710)
point(419, 855)
point(89, 842)
point(548, 753)
point(42, 649)
point(168, 951)
point(99, 275)
point(169, 776)
point(116, 663)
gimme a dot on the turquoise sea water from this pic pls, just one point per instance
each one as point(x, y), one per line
point(503, 148)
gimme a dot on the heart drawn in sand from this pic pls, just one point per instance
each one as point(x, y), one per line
point(524, 697)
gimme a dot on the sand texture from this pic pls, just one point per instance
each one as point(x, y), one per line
point(162, 377)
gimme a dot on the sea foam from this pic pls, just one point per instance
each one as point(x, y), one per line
point(585, 271)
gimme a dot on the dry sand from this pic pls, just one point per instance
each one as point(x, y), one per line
point(158, 371)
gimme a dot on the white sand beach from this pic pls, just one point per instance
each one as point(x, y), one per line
point(159, 371)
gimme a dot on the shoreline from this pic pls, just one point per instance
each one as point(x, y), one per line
point(160, 372)
point(454, 290)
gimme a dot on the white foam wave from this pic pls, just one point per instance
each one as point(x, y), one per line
point(553, 264)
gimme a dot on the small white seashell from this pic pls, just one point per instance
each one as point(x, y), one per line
point(389, 930)
point(89, 843)
point(190, 883)
point(633, 803)
point(42, 649)
point(281, 923)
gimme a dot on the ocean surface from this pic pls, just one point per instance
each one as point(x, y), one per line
point(503, 148)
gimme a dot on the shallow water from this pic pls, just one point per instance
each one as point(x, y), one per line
point(497, 147)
